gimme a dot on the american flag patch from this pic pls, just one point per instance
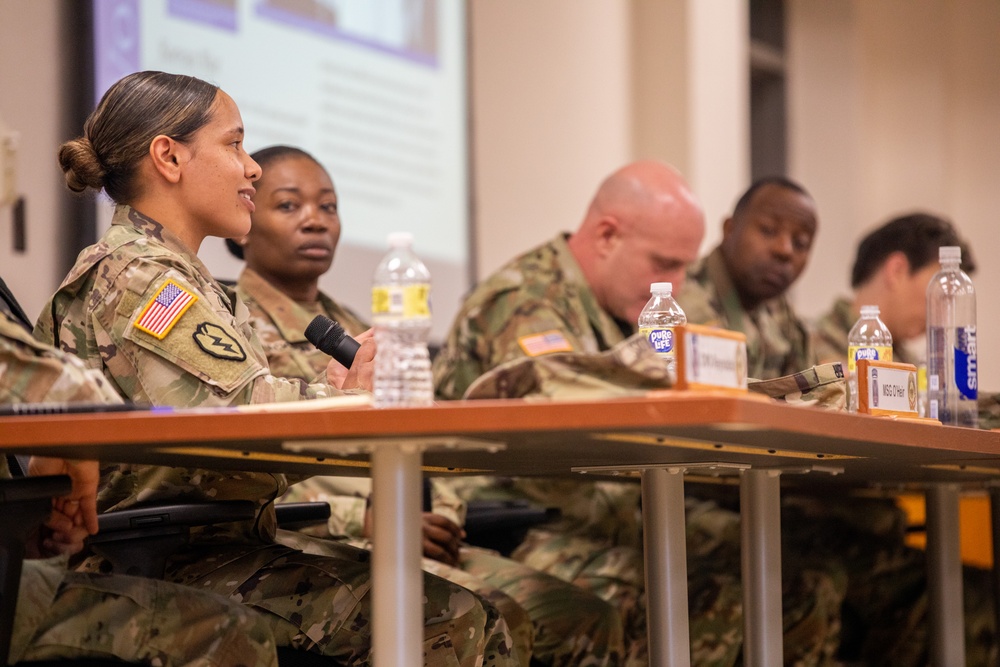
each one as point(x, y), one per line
point(546, 342)
point(164, 309)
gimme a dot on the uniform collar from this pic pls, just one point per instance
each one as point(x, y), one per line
point(603, 324)
point(288, 317)
point(127, 217)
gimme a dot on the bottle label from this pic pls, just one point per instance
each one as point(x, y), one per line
point(872, 353)
point(401, 302)
point(966, 363)
point(661, 339)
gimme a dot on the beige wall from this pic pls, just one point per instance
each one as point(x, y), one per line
point(895, 105)
point(551, 99)
point(33, 102)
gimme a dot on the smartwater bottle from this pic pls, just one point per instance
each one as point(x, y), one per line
point(401, 316)
point(952, 372)
point(869, 339)
point(657, 321)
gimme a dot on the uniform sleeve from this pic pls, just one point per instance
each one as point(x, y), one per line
point(497, 332)
point(167, 342)
point(39, 374)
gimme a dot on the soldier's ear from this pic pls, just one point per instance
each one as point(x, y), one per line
point(727, 226)
point(896, 267)
point(608, 233)
point(168, 156)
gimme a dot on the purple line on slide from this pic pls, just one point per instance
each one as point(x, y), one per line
point(116, 42)
point(299, 21)
point(210, 13)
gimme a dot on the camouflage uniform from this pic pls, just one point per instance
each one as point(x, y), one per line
point(830, 332)
point(207, 355)
point(896, 628)
point(777, 341)
point(581, 634)
point(859, 538)
point(64, 614)
point(530, 322)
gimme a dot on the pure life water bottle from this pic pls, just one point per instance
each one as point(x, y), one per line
point(401, 315)
point(952, 372)
point(657, 321)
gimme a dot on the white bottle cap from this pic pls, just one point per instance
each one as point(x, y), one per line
point(950, 252)
point(869, 312)
point(400, 239)
point(661, 287)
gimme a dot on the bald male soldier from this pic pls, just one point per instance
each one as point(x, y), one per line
point(583, 292)
point(64, 614)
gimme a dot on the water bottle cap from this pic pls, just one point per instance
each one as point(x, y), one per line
point(400, 239)
point(869, 312)
point(950, 252)
point(661, 287)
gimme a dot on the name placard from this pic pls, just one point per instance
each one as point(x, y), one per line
point(887, 388)
point(711, 358)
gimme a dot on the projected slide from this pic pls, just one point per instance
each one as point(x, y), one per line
point(375, 89)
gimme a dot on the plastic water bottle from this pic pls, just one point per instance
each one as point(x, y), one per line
point(869, 339)
point(657, 321)
point(952, 363)
point(401, 315)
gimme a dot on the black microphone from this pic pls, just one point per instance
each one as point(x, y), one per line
point(331, 338)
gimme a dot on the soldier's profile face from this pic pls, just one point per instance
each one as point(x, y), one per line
point(911, 320)
point(651, 250)
point(296, 224)
point(767, 246)
point(216, 184)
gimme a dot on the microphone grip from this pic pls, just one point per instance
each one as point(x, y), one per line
point(330, 337)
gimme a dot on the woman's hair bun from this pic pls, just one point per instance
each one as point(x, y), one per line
point(81, 165)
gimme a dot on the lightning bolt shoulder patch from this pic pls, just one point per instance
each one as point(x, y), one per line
point(215, 341)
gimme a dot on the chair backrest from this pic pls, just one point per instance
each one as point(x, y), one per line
point(25, 502)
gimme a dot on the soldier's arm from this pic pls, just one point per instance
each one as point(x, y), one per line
point(166, 341)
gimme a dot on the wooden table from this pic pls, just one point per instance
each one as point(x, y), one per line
point(662, 436)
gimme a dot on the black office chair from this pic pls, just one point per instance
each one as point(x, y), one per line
point(136, 541)
point(499, 525)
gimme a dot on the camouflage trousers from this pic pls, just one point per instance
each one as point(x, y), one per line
point(885, 612)
point(811, 597)
point(551, 622)
point(571, 626)
point(331, 578)
point(135, 620)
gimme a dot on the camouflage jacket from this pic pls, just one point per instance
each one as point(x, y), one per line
point(280, 325)
point(518, 319)
point(32, 372)
point(830, 332)
point(777, 341)
point(537, 304)
point(120, 310)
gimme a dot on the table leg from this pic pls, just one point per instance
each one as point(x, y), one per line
point(944, 576)
point(760, 527)
point(397, 580)
point(666, 567)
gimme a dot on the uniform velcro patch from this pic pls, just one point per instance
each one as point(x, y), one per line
point(216, 341)
point(546, 342)
point(165, 309)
